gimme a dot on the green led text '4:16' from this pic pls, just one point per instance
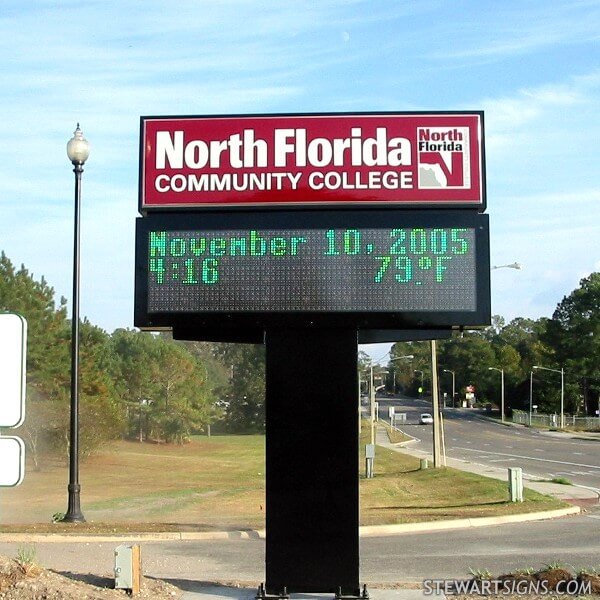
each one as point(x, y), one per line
point(190, 271)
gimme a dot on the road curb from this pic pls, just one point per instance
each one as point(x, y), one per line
point(383, 530)
point(250, 534)
point(176, 536)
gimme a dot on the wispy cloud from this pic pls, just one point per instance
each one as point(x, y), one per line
point(531, 66)
point(522, 28)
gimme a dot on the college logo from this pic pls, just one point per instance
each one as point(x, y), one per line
point(443, 157)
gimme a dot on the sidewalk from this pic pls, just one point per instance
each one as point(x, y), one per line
point(568, 493)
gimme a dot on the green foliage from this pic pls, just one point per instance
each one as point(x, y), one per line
point(480, 574)
point(246, 392)
point(574, 335)
point(163, 387)
point(570, 340)
point(561, 481)
point(45, 430)
point(26, 558)
point(150, 387)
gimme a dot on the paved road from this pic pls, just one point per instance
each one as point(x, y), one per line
point(469, 437)
point(408, 557)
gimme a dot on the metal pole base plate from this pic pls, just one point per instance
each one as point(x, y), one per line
point(364, 595)
point(261, 594)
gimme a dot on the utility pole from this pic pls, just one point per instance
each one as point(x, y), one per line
point(436, 405)
point(372, 399)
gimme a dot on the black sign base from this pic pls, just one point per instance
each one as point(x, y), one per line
point(312, 463)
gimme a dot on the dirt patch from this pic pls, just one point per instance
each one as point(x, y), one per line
point(20, 581)
point(548, 584)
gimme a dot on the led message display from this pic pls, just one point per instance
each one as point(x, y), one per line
point(424, 159)
point(399, 265)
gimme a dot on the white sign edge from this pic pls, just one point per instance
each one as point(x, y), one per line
point(23, 321)
point(21, 444)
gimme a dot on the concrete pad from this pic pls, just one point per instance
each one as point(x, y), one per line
point(205, 592)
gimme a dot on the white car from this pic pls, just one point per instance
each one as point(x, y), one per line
point(426, 419)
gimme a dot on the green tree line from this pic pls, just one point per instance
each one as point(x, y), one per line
point(570, 340)
point(150, 388)
point(133, 384)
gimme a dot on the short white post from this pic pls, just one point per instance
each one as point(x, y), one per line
point(515, 484)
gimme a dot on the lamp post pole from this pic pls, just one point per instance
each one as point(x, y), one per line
point(501, 391)
point(562, 392)
point(372, 396)
point(453, 383)
point(372, 406)
point(530, 396)
point(78, 151)
point(562, 398)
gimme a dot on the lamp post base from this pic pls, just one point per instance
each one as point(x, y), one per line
point(74, 514)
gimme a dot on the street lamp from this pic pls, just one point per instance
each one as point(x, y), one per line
point(453, 383)
point(514, 265)
point(406, 356)
point(78, 150)
point(372, 394)
point(530, 396)
point(562, 392)
point(502, 390)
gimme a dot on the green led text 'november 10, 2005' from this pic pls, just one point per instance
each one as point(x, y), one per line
point(393, 255)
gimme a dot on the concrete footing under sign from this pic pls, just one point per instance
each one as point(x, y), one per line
point(233, 593)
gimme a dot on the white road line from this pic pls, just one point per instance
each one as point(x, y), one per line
point(593, 517)
point(502, 460)
point(560, 462)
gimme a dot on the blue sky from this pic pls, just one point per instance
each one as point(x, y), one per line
point(532, 66)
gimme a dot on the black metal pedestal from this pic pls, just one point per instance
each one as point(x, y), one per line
point(312, 463)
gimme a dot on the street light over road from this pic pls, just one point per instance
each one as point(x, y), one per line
point(453, 383)
point(502, 391)
point(78, 150)
point(514, 265)
point(372, 393)
point(562, 392)
point(407, 357)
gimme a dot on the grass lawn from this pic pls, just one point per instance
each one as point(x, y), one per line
point(219, 483)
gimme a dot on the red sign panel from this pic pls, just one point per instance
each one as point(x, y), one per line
point(408, 159)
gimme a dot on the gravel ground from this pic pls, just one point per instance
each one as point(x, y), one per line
point(27, 581)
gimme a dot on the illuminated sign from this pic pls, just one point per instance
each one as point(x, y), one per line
point(412, 159)
point(370, 269)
